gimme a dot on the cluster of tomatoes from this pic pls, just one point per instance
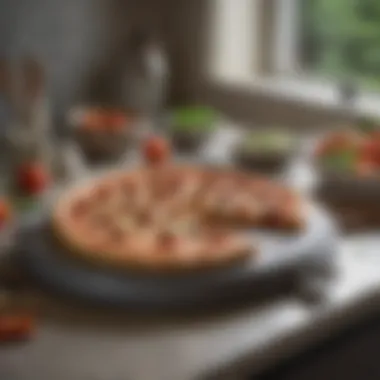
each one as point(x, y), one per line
point(363, 148)
point(30, 179)
point(105, 120)
point(16, 326)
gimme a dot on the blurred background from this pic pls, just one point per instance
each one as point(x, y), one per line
point(311, 51)
point(105, 69)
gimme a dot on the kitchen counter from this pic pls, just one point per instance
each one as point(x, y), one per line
point(79, 344)
point(84, 344)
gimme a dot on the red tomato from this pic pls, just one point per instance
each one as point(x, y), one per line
point(365, 168)
point(5, 211)
point(92, 120)
point(116, 118)
point(375, 135)
point(104, 120)
point(338, 141)
point(15, 327)
point(32, 178)
point(156, 150)
point(370, 151)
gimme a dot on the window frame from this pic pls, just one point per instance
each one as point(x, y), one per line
point(286, 43)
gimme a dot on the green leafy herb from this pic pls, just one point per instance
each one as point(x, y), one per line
point(343, 161)
point(193, 118)
point(368, 125)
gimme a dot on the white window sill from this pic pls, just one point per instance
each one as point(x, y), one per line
point(302, 91)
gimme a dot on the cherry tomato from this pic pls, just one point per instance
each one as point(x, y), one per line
point(5, 211)
point(15, 327)
point(375, 134)
point(116, 120)
point(156, 150)
point(366, 168)
point(32, 178)
point(92, 120)
point(370, 151)
point(104, 120)
point(338, 141)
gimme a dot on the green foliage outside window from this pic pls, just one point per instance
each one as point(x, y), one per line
point(341, 40)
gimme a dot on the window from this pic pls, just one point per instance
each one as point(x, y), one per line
point(312, 49)
point(341, 40)
point(233, 40)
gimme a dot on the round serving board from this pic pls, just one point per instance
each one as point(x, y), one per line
point(281, 256)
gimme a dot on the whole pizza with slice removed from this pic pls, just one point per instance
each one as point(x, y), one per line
point(171, 217)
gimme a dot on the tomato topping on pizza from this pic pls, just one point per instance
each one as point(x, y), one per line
point(116, 233)
point(217, 235)
point(125, 207)
point(103, 192)
point(101, 220)
point(145, 217)
point(167, 239)
point(80, 207)
point(128, 186)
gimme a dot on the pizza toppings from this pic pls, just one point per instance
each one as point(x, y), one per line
point(145, 217)
point(141, 200)
point(116, 233)
point(80, 208)
point(167, 239)
point(225, 186)
point(127, 224)
point(128, 186)
point(217, 236)
point(101, 219)
point(243, 212)
point(186, 225)
point(103, 192)
point(125, 207)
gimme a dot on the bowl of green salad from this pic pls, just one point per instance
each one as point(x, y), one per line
point(190, 126)
point(266, 151)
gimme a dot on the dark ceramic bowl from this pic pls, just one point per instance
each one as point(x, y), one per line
point(101, 145)
point(191, 126)
point(267, 161)
point(188, 141)
point(340, 182)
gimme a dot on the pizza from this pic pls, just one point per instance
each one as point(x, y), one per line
point(171, 217)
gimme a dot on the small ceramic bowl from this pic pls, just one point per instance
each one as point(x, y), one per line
point(271, 160)
point(189, 141)
point(190, 127)
point(102, 142)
